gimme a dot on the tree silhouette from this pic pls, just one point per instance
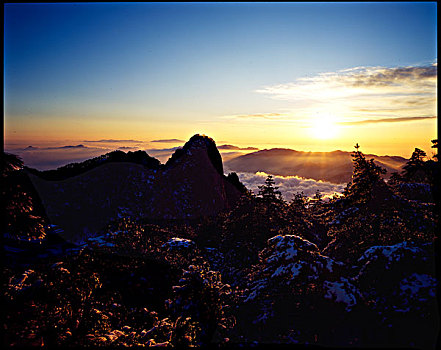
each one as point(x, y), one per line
point(21, 219)
point(299, 201)
point(269, 192)
point(414, 170)
point(435, 145)
point(365, 175)
point(318, 196)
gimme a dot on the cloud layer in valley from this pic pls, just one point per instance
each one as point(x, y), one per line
point(290, 185)
point(46, 158)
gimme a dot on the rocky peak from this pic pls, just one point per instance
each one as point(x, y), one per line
point(199, 143)
point(191, 184)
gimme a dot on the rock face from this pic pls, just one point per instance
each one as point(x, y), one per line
point(190, 185)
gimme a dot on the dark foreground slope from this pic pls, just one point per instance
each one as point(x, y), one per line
point(190, 185)
point(334, 166)
point(355, 271)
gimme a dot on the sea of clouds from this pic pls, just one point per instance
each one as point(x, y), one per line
point(290, 185)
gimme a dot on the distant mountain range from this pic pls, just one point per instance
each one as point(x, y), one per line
point(32, 148)
point(236, 148)
point(334, 166)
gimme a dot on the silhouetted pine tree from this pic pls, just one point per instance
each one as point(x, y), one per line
point(414, 170)
point(18, 205)
point(269, 192)
point(365, 176)
point(299, 201)
point(435, 145)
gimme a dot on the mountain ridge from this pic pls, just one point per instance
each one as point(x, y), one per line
point(335, 166)
point(137, 157)
point(191, 184)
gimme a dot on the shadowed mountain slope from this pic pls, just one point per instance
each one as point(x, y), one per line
point(190, 185)
point(334, 166)
point(73, 169)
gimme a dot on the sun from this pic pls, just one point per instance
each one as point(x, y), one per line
point(324, 127)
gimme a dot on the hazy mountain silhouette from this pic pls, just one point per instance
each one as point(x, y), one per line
point(191, 184)
point(333, 166)
point(236, 148)
point(32, 148)
point(73, 169)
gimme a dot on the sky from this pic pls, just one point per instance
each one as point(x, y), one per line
point(306, 76)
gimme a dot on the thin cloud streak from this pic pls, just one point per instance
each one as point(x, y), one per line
point(113, 141)
point(236, 148)
point(387, 120)
point(268, 116)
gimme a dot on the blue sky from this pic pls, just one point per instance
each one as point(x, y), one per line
point(169, 70)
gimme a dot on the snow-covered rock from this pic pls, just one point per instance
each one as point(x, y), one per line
point(342, 291)
point(289, 260)
point(179, 243)
point(101, 241)
point(399, 278)
point(392, 253)
point(288, 256)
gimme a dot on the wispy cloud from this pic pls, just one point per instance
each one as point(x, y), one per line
point(236, 148)
point(168, 141)
point(399, 76)
point(360, 92)
point(268, 116)
point(386, 120)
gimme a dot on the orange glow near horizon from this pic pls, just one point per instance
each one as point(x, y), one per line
point(318, 133)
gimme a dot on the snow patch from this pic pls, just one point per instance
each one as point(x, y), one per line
point(341, 292)
point(392, 253)
point(415, 282)
point(178, 243)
